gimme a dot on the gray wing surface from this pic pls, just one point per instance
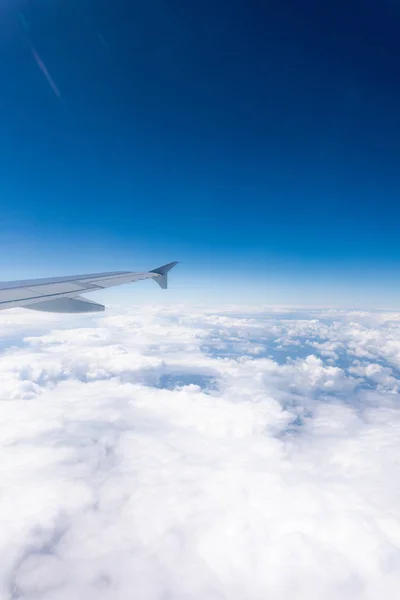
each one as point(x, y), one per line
point(64, 294)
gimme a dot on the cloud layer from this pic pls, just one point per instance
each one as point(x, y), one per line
point(187, 453)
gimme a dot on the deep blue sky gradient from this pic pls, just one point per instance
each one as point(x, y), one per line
point(246, 139)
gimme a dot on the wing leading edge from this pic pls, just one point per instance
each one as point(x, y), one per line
point(63, 294)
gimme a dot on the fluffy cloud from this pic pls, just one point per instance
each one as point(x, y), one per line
point(185, 453)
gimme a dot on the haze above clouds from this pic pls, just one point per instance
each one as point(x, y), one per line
point(187, 453)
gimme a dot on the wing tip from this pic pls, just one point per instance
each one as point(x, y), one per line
point(165, 268)
point(162, 272)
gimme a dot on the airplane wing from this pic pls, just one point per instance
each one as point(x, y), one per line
point(63, 294)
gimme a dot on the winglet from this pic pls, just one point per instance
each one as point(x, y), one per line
point(162, 280)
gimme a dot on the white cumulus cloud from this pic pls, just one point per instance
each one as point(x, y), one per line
point(184, 453)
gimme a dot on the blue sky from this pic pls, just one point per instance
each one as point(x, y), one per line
point(255, 142)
